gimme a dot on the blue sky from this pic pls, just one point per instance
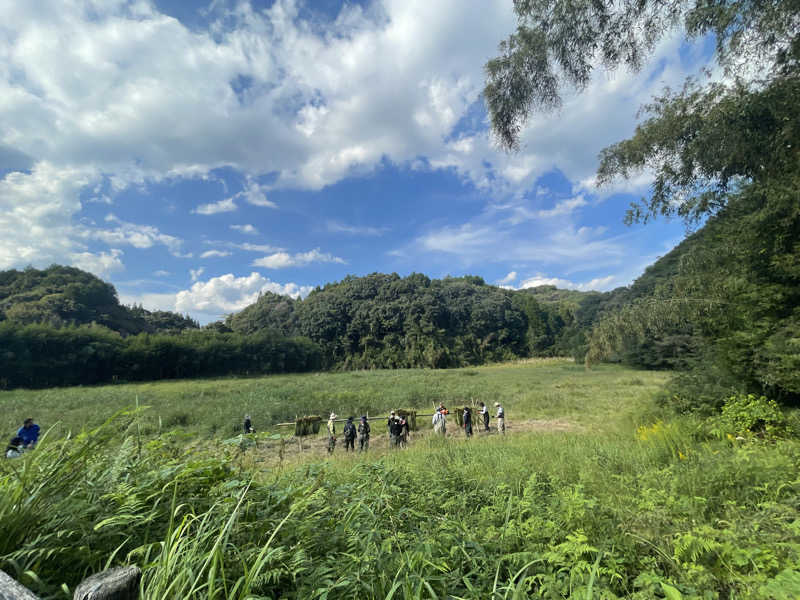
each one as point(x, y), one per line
point(195, 154)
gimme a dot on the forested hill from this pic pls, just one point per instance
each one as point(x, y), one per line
point(384, 320)
point(61, 296)
point(58, 316)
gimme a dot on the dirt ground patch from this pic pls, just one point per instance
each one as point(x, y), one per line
point(273, 453)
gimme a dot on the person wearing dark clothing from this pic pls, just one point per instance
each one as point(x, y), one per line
point(403, 431)
point(395, 431)
point(14, 449)
point(467, 421)
point(389, 422)
point(484, 412)
point(29, 432)
point(349, 432)
point(248, 425)
point(363, 435)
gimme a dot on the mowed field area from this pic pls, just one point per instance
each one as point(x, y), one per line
point(535, 389)
point(596, 492)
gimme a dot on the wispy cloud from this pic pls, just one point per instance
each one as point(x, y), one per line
point(256, 194)
point(282, 260)
point(138, 236)
point(337, 227)
point(215, 254)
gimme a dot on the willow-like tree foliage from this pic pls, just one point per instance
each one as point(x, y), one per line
point(559, 43)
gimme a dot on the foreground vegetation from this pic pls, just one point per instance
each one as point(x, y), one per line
point(632, 504)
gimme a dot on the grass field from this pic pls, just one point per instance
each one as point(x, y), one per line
point(551, 388)
point(626, 502)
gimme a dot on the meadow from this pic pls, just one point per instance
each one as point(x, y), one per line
point(630, 502)
point(534, 388)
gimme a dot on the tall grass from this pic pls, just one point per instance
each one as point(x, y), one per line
point(626, 513)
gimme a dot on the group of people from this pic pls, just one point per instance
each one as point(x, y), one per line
point(350, 431)
point(439, 420)
point(26, 438)
point(398, 427)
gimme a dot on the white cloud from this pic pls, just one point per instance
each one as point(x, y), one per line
point(120, 89)
point(246, 229)
point(214, 254)
point(213, 208)
point(138, 236)
point(562, 208)
point(196, 273)
point(281, 260)
point(102, 264)
point(162, 273)
point(258, 247)
point(36, 215)
point(228, 293)
point(256, 195)
point(598, 283)
point(337, 227)
point(512, 276)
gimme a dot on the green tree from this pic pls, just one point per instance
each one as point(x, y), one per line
point(557, 44)
point(724, 155)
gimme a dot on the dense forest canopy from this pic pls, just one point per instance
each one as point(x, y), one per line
point(376, 321)
point(62, 295)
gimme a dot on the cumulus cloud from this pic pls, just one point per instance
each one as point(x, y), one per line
point(282, 260)
point(227, 293)
point(246, 229)
point(101, 264)
point(90, 88)
point(36, 215)
point(213, 208)
point(196, 273)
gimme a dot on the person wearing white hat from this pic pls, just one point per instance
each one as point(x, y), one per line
point(331, 433)
point(501, 418)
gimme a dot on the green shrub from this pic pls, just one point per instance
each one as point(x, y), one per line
point(748, 416)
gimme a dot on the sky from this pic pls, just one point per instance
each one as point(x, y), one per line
point(197, 154)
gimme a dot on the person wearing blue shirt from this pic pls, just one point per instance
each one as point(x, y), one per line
point(29, 433)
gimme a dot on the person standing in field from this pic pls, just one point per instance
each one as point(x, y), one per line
point(484, 412)
point(439, 421)
point(389, 422)
point(501, 418)
point(331, 433)
point(395, 431)
point(363, 434)
point(248, 425)
point(349, 435)
point(467, 422)
point(29, 433)
point(403, 440)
